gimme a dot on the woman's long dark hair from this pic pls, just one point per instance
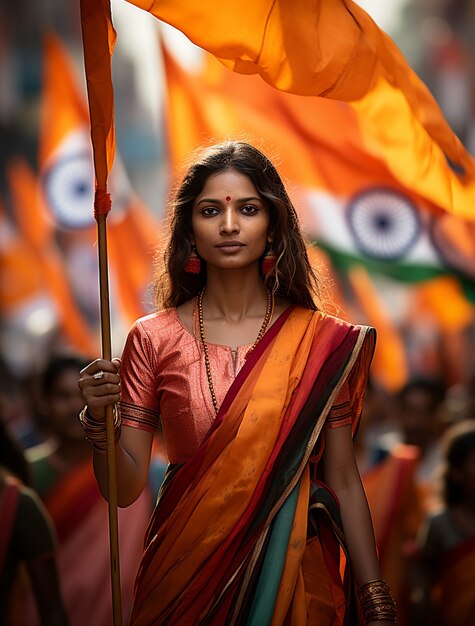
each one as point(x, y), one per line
point(293, 277)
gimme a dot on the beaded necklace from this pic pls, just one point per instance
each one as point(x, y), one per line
point(260, 334)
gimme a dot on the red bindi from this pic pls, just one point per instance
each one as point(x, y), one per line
point(228, 198)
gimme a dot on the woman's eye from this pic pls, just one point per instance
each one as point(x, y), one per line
point(209, 211)
point(249, 209)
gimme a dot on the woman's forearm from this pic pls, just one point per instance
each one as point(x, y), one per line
point(99, 383)
point(342, 475)
point(358, 529)
point(129, 478)
point(132, 462)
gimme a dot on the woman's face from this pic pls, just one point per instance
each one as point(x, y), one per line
point(230, 221)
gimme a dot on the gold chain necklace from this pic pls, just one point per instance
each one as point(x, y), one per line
point(260, 334)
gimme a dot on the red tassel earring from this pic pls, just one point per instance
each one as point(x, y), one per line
point(193, 265)
point(268, 262)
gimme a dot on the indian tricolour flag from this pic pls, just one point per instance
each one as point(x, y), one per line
point(383, 228)
point(67, 183)
point(350, 202)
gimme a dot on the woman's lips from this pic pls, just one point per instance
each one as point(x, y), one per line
point(230, 246)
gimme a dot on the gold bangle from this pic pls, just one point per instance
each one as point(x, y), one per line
point(95, 431)
point(376, 601)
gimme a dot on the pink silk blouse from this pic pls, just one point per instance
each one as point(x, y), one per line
point(163, 375)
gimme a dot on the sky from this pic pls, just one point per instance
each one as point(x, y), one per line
point(384, 12)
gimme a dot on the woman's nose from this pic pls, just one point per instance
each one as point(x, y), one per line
point(230, 224)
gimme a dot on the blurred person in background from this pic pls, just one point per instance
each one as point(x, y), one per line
point(26, 539)
point(419, 421)
point(388, 475)
point(460, 401)
point(16, 408)
point(63, 475)
point(445, 591)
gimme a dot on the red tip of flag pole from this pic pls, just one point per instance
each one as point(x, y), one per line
point(102, 203)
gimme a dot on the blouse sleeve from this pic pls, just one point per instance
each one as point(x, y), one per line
point(138, 399)
point(340, 413)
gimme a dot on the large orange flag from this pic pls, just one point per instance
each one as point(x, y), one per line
point(332, 48)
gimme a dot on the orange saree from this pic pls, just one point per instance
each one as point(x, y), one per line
point(244, 532)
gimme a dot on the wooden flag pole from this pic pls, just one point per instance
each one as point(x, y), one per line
point(110, 438)
point(99, 38)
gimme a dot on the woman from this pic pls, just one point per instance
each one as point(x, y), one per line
point(244, 372)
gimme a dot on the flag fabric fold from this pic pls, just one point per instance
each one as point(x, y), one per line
point(99, 39)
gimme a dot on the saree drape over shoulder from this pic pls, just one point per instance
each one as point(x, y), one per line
point(244, 531)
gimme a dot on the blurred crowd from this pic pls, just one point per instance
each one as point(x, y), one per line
point(54, 543)
point(416, 453)
point(415, 450)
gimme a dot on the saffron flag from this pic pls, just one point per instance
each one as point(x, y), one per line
point(434, 296)
point(99, 39)
point(132, 243)
point(333, 49)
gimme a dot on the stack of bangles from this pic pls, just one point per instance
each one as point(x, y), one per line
point(376, 601)
point(95, 430)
